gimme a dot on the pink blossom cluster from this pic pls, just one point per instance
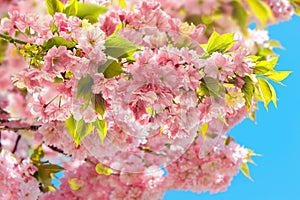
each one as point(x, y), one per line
point(282, 9)
point(82, 182)
point(206, 166)
point(17, 181)
point(221, 15)
point(166, 103)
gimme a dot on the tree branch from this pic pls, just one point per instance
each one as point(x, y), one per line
point(54, 148)
point(12, 40)
point(151, 152)
point(16, 144)
point(0, 141)
point(16, 129)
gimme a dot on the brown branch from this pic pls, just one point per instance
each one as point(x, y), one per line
point(54, 148)
point(151, 152)
point(16, 129)
point(11, 40)
point(0, 141)
point(16, 144)
point(9, 120)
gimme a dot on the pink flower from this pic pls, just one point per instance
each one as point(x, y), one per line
point(57, 60)
point(16, 179)
point(92, 43)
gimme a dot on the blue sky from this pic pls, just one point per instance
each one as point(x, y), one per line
point(276, 135)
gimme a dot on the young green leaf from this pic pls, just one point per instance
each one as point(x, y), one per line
point(266, 92)
point(219, 43)
point(248, 90)
point(228, 140)
point(101, 128)
point(74, 184)
point(119, 47)
point(296, 6)
point(90, 11)
point(240, 15)
point(110, 69)
point(58, 41)
point(274, 96)
point(261, 10)
point(204, 129)
point(245, 171)
point(215, 88)
point(72, 8)
point(268, 64)
point(45, 174)
point(122, 4)
point(102, 169)
point(78, 129)
point(99, 104)
point(277, 76)
point(54, 6)
point(37, 155)
point(3, 46)
point(84, 89)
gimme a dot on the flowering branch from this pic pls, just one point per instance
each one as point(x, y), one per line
point(11, 40)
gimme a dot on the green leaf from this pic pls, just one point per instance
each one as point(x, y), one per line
point(219, 43)
point(296, 6)
point(240, 15)
point(46, 170)
point(110, 68)
point(228, 140)
point(101, 128)
point(58, 41)
point(3, 46)
point(54, 6)
point(268, 64)
point(245, 171)
point(204, 129)
point(37, 155)
point(260, 70)
point(277, 76)
point(202, 91)
point(102, 169)
point(78, 129)
point(274, 96)
point(74, 184)
point(90, 11)
point(215, 88)
point(266, 92)
point(72, 8)
point(119, 47)
point(248, 90)
point(45, 174)
point(275, 44)
point(122, 4)
point(99, 104)
point(84, 89)
point(248, 158)
point(261, 10)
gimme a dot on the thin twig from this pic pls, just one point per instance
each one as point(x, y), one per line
point(16, 129)
point(11, 40)
point(0, 141)
point(151, 152)
point(9, 120)
point(16, 144)
point(58, 150)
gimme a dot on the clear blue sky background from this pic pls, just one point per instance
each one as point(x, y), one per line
point(276, 135)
